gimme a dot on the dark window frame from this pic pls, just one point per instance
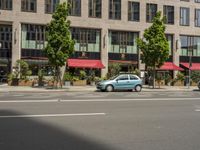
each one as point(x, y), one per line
point(113, 14)
point(150, 13)
point(166, 13)
point(6, 4)
point(74, 11)
point(26, 7)
point(94, 11)
point(131, 12)
point(181, 16)
point(50, 7)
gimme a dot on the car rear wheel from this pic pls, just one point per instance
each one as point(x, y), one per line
point(109, 88)
point(138, 88)
point(199, 85)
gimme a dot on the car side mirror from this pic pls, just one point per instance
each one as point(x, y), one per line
point(117, 80)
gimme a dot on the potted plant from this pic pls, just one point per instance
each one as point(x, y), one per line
point(67, 79)
point(40, 77)
point(81, 79)
point(168, 79)
point(179, 80)
point(91, 78)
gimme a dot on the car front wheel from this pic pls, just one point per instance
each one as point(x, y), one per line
point(138, 88)
point(109, 88)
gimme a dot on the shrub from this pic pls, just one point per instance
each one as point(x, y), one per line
point(82, 74)
point(195, 76)
point(67, 77)
point(113, 69)
point(180, 77)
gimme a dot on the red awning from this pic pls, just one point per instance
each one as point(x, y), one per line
point(170, 66)
point(195, 66)
point(85, 63)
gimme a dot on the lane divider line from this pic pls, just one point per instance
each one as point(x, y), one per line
point(98, 100)
point(53, 115)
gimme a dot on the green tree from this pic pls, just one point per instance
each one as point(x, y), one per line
point(154, 47)
point(60, 45)
point(22, 70)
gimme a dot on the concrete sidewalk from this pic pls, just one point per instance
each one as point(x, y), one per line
point(6, 88)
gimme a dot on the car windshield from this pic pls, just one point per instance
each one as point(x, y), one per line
point(112, 78)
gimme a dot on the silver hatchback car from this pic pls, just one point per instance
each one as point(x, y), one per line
point(121, 82)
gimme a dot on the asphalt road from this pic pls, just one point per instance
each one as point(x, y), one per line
point(100, 121)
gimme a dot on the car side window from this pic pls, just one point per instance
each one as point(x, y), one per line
point(123, 77)
point(133, 77)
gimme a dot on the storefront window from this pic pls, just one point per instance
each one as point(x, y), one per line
point(33, 36)
point(86, 40)
point(123, 42)
point(190, 43)
point(169, 38)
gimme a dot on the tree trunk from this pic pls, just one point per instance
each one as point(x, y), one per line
point(154, 76)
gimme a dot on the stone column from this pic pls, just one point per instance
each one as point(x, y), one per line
point(104, 51)
point(16, 43)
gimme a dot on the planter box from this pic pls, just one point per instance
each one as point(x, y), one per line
point(14, 82)
point(67, 83)
point(162, 83)
point(79, 83)
point(179, 83)
point(194, 84)
point(25, 83)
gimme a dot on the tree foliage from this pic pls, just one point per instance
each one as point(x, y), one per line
point(60, 45)
point(22, 70)
point(154, 47)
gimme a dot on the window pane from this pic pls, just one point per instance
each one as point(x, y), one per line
point(95, 8)
point(115, 9)
point(75, 9)
point(134, 11)
point(86, 39)
point(151, 10)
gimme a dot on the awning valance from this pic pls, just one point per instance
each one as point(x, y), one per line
point(170, 66)
point(85, 63)
point(194, 66)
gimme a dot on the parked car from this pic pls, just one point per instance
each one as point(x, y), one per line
point(121, 82)
point(198, 85)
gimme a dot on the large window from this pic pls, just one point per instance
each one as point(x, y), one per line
point(28, 5)
point(50, 5)
point(123, 42)
point(170, 40)
point(197, 17)
point(95, 8)
point(151, 10)
point(75, 9)
point(33, 36)
point(6, 4)
point(169, 13)
point(87, 40)
point(6, 41)
point(133, 11)
point(197, 1)
point(190, 45)
point(115, 9)
point(184, 16)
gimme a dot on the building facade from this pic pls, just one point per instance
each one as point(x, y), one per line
point(104, 30)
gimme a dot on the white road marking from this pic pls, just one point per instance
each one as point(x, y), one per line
point(29, 101)
point(98, 100)
point(52, 115)
point(121, 100)
point(197, 110)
